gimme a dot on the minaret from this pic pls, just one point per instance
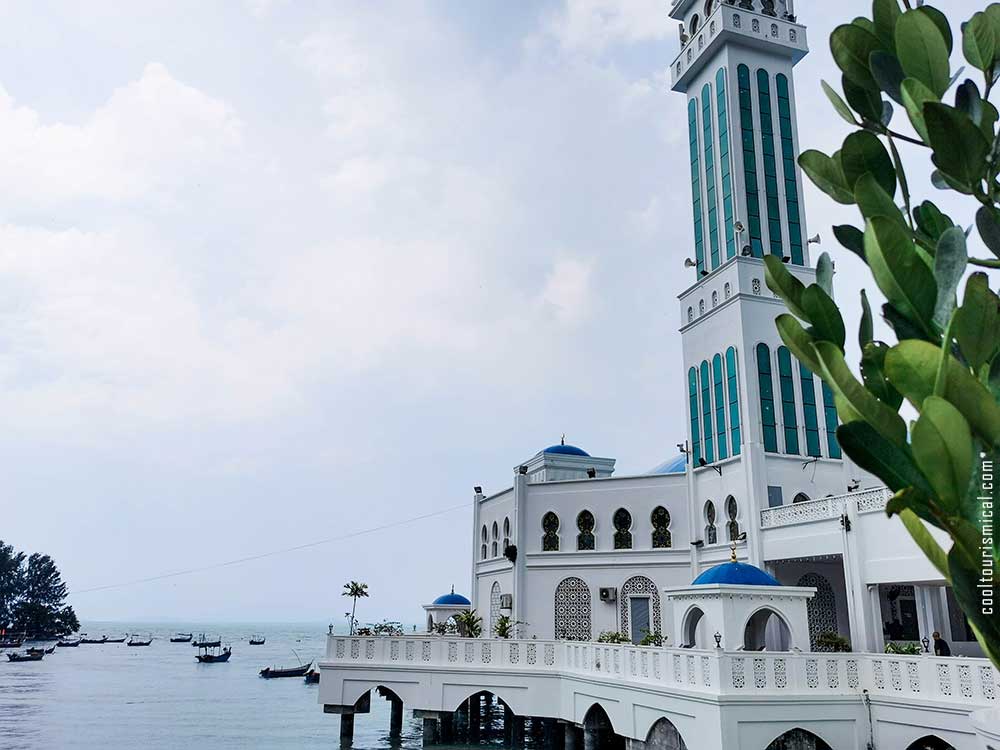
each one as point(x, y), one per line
point(756, 417)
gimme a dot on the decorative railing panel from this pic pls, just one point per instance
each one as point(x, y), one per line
point(866, 501)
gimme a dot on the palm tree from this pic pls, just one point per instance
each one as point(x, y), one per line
point(355, 590)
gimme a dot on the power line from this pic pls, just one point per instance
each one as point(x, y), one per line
point(272, 553)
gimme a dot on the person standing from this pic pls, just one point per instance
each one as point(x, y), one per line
point(941, 647)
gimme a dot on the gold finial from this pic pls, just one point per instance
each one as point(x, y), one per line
point(732, 552)
point(562, 440)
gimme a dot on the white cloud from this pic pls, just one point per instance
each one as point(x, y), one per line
point(593, 25)
point(567, 290)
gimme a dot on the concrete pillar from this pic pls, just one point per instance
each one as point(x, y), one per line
point(517, 732)
point(395, 717)
point(550, 735)
point(475, 705)
point(346, 730)
point(447, 725)
point(508, 726)
point(591, 737)
point(430, 731)
point(571, 737)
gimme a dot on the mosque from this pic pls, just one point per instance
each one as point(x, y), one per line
point(741, 595)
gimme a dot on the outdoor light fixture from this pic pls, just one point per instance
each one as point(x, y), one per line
point(478, 489)
point(688, 263)
point(682, 447)
point(785, 258)
point(845, 522)
point(813, 240)
point(703, 463)
point(698, 543)
point(742, 537)
point(853, 485)
point(522, 469)
point(738, 226)
point(746, 251)
point(718, 639)
point(926, 643)
point(704, 272)
point(591, 472)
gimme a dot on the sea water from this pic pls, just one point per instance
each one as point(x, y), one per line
point(116, 696)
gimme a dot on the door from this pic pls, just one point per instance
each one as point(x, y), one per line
point(639, 620)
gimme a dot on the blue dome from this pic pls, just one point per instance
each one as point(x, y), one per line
point(675, 465)
point(453, 599)
point(740, 574)
point(566, 450)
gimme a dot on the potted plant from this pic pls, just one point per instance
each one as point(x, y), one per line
point(831, 641)
point(470, 625)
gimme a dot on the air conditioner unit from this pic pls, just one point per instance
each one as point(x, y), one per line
point(609, 593)
point(506, 601)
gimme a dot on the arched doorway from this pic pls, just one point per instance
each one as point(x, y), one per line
point(664, 736)
point(930, 742)
point(596, 720)
point(640, 608)
point(821, 609)
point(695, 629)
point(798, 739)
point(572, 610)
point(766, 630)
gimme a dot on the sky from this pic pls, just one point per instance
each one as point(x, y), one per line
point(274, 272)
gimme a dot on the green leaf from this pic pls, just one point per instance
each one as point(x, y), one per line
point(838, 104)
point(798, 340)
point(919, 533)
point(911, 367)
point(965, 579)
point(988, 224)
point(824, 273)
point(888, 74)
point(900, 272)
point(851, 46)
point(851, 238)
point(942, 448)
point(863, 152)
point(959, 146)
point(915, 95)
point(950, 260)
point(874, 201)
point(977, 320)
point(823, 313)
point(890, 462)
point(979, 41)
point(931, 222)
point(969, 101)
point(941, 21)
point(885, 14)
point(866, 329)
point(782, 282)
point(854, 402)
point(827, 175)
point(866, 102)
point(904, 327)
point(873, 374)
point(922, 51)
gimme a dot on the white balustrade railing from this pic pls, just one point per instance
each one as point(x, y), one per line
point(866, 501)
point(960, 680)
point(872, 500)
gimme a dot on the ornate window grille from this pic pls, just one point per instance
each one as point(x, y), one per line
point(732, 511)
point(711, 534)
point(660, 519)
point(623, 523)
point(572, 610)
point(550, 535)
point(585, 523)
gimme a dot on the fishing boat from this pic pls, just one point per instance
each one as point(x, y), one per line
point(85, 641)
point(114, 640)
point(42, 650)
point(136, 641)
point(26, 656)
point(203, 643)
point(257, 640)
point(68, 644)
point(182, 638)
point(10, 644)
point(213, 655)
point(272, 672)
point(312, 677)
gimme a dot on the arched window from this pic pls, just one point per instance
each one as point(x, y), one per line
point(572, 610)
point(711, 535)
point(809, 411)
point(732, 512)
point(706, 412)
point(640, 608)
point(755, 287)
point(930, 742)
point(797, 738)
point(483, 547)
point(801, 497)
point(701, 307)
point(690, 314)
point(718, 387)
point(788, 169)
point(728, 290)
point(496, 535)
point(506, 533)
point(732, 391)
point(830, 417)
point(709, 7)
point(585, 540)
point(770, 168)
point(749, 140)
point(694, 23)
point(767, 630)
point(494, 605)
point(708, 145)
point(695, 154)
point(550, 532)
point(623, 523)
point(660, 520)
point(715, 299)
point(766, 384)
point(721, 106)
point(788, 400)
point(693, 408)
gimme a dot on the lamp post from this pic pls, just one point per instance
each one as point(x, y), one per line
point(718, 639)
point(926, 643)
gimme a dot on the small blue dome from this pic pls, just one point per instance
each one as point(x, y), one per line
point(675, 465)
point(566, 450)
point(740, 574)
point(453, 599)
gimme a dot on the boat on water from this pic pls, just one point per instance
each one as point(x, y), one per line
point(37, 656)
point(68, 644)
point(202, 642)
point(182, 638)
point(272, 672)
point(114, 640)
point(40, 650)
point(257, 640)
point(312, 677)
point(10, 644)
point(214, 655)
point(136, 641)
point(85, 641)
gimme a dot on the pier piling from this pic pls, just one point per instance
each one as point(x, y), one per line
point(395, 717)
point(346, 730)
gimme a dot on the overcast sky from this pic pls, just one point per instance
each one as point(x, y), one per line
point(273, 272)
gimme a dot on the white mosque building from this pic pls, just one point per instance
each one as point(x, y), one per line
point(739, 563)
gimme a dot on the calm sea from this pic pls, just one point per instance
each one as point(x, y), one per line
point(113, 696)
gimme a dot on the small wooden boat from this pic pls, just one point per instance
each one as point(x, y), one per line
point(312, 677)
point(68, 644)
point(257, 640)
point(272, 672)
point(182, 638)
point(42, 650)
point(26, 656)
point(86, 641)
point(10, 644)
point(114, 640)
point(134, 641)
point(214, 658)
point(202, 643)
